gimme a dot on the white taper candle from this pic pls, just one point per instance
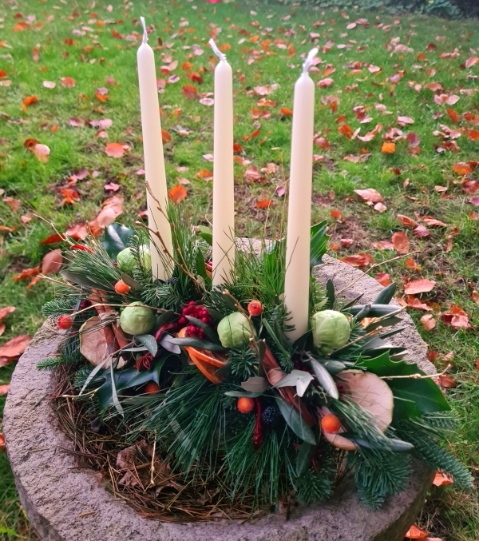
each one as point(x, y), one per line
point(223, 172)
point(296, 286)
point(154, 160)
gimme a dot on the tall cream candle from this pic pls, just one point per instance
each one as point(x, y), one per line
point(296, 286)
point(223, 173)
point(154, 161)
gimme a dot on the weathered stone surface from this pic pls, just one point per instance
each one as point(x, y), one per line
point(68, 504)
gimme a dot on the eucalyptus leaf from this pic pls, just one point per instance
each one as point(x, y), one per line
point(116, 239)
point(164, 317)
point(386, 322)
point(325, 379)
point(114, 395)
point(298, 379)
point(333, 367)
point(363, 313)
point(295, 421)
point(78, 279)
point(129, 281)
point(210, 333)
point(352, 302)
point(242, 394)
point(166, 343)
point(386, 295)
point(93, 373)
point(377, 310)
point(255, 384)
point(149, 342)
point(196, 343)
point(305, 455)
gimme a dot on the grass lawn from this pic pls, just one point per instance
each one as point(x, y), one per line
point(405, 73)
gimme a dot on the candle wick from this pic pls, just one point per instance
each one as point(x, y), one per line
point(217, 52)
point(145, 33)
point(309, 60)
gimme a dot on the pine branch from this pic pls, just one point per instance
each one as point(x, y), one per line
point(315, 486)
point(243, 363)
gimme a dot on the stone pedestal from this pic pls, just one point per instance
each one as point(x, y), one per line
point(65, 503)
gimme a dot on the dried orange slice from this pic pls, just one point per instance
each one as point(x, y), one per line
point(207, 362)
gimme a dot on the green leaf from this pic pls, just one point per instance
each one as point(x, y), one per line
point(131, 282)
point(92, 374)
point(412, 397)
point(319, 243)
point(332, 366)
point(78, 279)
point(386, 322)
point(376, 310)
point(206, 234)
point(201, 268)
point(114, 395)
point(386, 295)
point(149, 342)
point(325, 379)
point(241, 394)
point(303, 460)
point(330, 294)
point(295, 421)
point(116, 239)
point(164, 317)
point(363, 313)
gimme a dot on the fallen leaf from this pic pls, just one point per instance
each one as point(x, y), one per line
point(29, 100)
point(49, 84)
point(411, 264)
point(41, 152)
point(414, 302)
point(456, 318)
point(26, 274)
point(474, 297)
point(428, 322)
point(115, 150)
point(400, 242)
point(190, 92)
point(419, 286)
point(421, 231)
point(4, 389)
point(165, 136)
point(405, 220)
point(52, 239)
point(67, 82)
point(462, 168)
point(264, 204)
point(15, 347)
point(112, 208)
point(52, 262)
point(177, 194)
point(442, 478)
point(383, 278)
point(370, 195)
point(415, 532)
point(3, 448)
point(388, 148)
point(5, 311)
point(358, 260)
point(446, 381)
point(432, 222)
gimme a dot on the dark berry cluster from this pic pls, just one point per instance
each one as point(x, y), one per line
point(199, 312)
point(271, 417)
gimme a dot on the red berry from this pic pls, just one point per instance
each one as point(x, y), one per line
point(245, 404)
point(152, 388)
point(122, 288)
point(255, 308)
point(330, 424)
point(65, 322)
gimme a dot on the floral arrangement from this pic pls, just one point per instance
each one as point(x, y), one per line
point(199, 388)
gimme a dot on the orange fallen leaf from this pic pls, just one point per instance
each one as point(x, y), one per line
point(358, 260)
point(477, 364)
point(456, 318)
point(4, 389)
point(442, 478)
point(285, 111)
point(2, 443)
point(415, 532)
point(190, 92)
point(462, 168)
point(446, 381)
point(70, 196)
point(264, 204)
point(29, 100)
point(5, 311)
point(419, 286)
point(405, 220)
point(115, 150)
point(383, 278)
point(388, 148)
point(165, 136)
point(52, 262)
point(52, 239)
point(414, 302)
point(177, 194)
point(67, 82)
point(428, 322)
point(400, 242)
point(26, 274)
point(15, 347)
point(411, 264)
point(474, 297)
point(335, 214)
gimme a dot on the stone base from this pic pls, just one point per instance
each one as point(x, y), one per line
point(65, 503)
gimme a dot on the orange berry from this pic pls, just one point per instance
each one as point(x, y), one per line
point(330, 424)
point(245, 404)
point(122, 288)
point(255, 308)
point(152, 388)
point(64, 322)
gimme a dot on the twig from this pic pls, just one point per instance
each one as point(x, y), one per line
point(419, 376)
point(62, 235)
point(152, 476)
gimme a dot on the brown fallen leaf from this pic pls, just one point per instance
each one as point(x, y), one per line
point(358, 260)
point(400, 242)
point(383, 278)
point(97, 341)
point(116, 150)
point(2, 443)
point(4, 389)
point(370, 195)
point(415, 532)
point(112, 208)
point(52, 262)
point(428, 322)
point(15, 347)
point(5, 311)
point(446, 381)
point(405, 220)
point(419, 286)
point(456, 318)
